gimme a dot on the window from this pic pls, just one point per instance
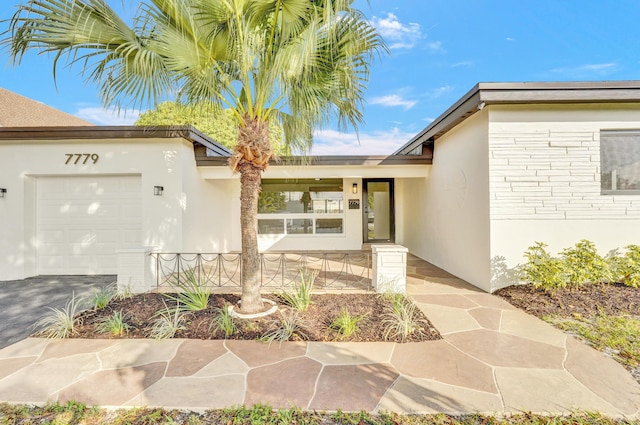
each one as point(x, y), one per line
point(620, 161)
point(299, 207)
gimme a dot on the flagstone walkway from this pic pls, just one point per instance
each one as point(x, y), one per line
point(493, 358)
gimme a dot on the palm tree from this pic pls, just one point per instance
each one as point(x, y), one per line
point(297, 62)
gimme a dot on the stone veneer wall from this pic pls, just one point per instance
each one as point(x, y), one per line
point(541, 172)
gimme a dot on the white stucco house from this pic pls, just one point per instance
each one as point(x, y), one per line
point(506, 165)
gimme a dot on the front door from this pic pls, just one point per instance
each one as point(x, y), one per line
point(378, 220)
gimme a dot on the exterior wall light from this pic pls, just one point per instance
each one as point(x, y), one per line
point(3, 192)
point(157, 190)
point(354, 188)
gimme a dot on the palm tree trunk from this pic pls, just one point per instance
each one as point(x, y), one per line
point(250, 177)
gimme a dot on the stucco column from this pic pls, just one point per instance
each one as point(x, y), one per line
point(136, 270)
point(389, 268)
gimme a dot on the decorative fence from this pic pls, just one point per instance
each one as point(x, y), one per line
point(335, 270)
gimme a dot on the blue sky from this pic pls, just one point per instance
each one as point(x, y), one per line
point(439, 50)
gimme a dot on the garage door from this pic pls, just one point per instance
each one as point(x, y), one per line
point(82, 221)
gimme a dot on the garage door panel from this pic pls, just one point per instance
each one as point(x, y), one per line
point(83, 221)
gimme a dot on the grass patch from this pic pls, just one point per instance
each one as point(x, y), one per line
point(617, 335)
point(74, 413)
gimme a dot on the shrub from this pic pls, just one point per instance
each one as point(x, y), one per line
point(62, 322)
point(223, 321)
point(583, 264)
point(626, 268)
point(114, 324)
point(300, 298)
point(346, 324)
point(168, 322)
point(191, 293)
point(283, 330)
point(401, 318)
point(100, 298)
point(542, 270)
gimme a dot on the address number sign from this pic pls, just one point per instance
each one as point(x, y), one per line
point(81, 158)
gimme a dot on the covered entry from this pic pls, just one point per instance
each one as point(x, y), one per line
point(378, 212)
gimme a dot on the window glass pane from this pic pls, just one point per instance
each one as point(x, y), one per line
point(299, 226)
point(329, 225)
point(303, 196)
point(620, 160)
point(270, 227)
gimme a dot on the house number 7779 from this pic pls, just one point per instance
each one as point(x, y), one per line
point(81, 158)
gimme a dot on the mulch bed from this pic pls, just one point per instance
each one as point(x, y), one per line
point(587, 300)
point(139, 311)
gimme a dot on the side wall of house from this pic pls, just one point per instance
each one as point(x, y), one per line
point(209, 217)
point(445, 217)
point(545, 182)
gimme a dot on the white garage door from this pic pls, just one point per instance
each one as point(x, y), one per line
point(82, 221)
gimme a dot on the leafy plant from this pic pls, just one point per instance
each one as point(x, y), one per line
point(114, 324)
point(542, 270)
point(583, 264)
point(62, 322)
point(300, 298)
point(101, 297)
point(191, 292)
point(401, 318)
point(168, 322)
point(346, 324)
point(283, 329)
point(626, 268)
point(223, 321)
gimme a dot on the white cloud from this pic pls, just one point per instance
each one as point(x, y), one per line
point(332, 142)
point(441, 90)
point(510, 39)
point(103, 116)
point(587, 70)
point(397, 34)
point(393, 100)
point(462, 63)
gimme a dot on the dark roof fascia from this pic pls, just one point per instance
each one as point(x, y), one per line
point(113, 132)
point(331, 160)
point(484, 94)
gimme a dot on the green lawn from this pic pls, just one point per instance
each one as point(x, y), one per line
point(76, 413)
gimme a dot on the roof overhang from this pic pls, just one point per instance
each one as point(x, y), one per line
point(114, 132)
point(485, 94)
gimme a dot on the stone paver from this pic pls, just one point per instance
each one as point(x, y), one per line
point(413, 395)
point(445, 364)
point(493, 359)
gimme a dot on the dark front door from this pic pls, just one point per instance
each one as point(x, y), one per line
point(378, 220)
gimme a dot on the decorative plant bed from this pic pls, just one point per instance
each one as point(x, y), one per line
point(139, 311)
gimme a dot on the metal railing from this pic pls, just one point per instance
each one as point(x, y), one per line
point(278, 271)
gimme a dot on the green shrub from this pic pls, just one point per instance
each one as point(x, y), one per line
point(100, 298)
point(114, 324)
point(223, 321)
point(401, 318)
point(62, 322)
point(346, 324)
point(583, 264)
point(626, 268)
point(168, 322)
point(542, 270)
point(191, 292)
point(300, 298)
point(283, 329)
